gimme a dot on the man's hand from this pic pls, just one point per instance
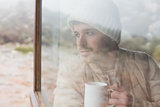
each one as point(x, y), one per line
point(119, 97)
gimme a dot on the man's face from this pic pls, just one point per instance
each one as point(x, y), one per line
point(90, 42)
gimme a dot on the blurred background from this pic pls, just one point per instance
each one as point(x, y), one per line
point(16, 52)
point(140, 31)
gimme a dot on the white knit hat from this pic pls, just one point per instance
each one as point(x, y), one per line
point(100, 14)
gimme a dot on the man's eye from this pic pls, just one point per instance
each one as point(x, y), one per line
point(76, 34)
point(90, 33)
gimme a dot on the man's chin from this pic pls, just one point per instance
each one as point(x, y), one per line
point(89, 58)
point(86, 59)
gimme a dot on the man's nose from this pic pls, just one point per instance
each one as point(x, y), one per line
point(82, 42)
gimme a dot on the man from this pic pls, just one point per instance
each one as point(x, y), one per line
point(134, 76)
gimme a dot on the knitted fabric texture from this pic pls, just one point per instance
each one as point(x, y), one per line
point(103, 15)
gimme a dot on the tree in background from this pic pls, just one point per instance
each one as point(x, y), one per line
point(156, 53)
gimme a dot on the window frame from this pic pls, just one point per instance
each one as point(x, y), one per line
point(37, 97)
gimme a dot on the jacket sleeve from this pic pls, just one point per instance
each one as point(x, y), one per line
point(154, 87)
point(66, 93)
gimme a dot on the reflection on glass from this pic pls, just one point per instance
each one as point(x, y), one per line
point(50, 38)
point(84, 41)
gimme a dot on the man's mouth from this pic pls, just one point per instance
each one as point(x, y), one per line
point(84, 52)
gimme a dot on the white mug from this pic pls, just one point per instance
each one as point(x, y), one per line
point(96, 94)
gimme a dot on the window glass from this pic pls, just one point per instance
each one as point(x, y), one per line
point(50, 48)
point(84, 40)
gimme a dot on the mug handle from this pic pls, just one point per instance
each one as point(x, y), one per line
point(109, 91)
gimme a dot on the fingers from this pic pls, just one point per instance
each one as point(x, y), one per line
point(120, 106)
point(116, 106)
point(116, 88)
point(121, 102)
point(119, 95)
point(119, 98)
point(113, 87)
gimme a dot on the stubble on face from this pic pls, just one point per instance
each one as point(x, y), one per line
point(92, 47)
point(104, 48)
